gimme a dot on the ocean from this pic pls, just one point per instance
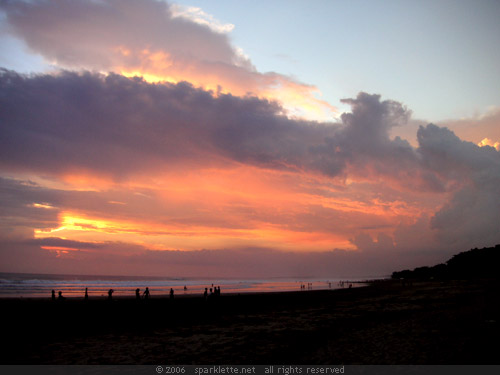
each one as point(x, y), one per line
point(22, 285)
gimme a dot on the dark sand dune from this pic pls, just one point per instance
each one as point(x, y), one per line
point(454, 322)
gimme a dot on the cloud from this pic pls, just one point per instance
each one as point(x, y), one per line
point(118, 126)
point(115, 258)
point(465, 179)
point(477, 128)
point(82, 33)
point(152, 39)
point(471, 216)
point(19, 214)
point(115, 125)
point(197, 15)
point(110, 124)
point(190, 166)
point(489, 142)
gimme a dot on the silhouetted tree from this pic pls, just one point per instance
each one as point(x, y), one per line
point(472, 264)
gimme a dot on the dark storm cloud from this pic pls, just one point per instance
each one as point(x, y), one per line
point(116, 126)
point(111, 124)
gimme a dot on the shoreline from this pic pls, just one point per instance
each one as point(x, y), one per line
point(161, 298)
point(182, 294)
point(434, 322)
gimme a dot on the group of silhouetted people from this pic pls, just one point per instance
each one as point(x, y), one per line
point(309, 286)
point(343, 283)
point(110, 294)
point(59, 296)
point(214, 293)
point(145, 294)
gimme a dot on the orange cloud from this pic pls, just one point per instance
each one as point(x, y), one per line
point(298, 99)
point(489, 142)
point(233, 207)
point(185, 237)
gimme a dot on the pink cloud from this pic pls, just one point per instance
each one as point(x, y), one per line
point(146, 38)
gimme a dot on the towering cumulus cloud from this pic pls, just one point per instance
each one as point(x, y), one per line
point(473, 173)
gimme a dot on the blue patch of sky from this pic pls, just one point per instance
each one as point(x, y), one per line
point(441, 58)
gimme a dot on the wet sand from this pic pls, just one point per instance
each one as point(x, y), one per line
point(454, 322)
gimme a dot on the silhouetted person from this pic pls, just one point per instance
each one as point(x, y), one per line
point(171, 293)
point(86, 298)
point(137, 294)
point(218, 290)
point(185, 288)
point(110, 294)
point(60, 297)
point(53, 295)
point(205, 294)
point(146, 293)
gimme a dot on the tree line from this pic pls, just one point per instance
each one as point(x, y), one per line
point(472, 264)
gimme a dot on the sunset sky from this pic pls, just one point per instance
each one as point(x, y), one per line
point(247, 139)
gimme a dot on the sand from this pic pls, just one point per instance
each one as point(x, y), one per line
point(454, 322)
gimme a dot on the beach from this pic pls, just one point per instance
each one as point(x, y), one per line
point(433, 322)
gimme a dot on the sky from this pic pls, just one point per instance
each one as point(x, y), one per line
point(247, 139)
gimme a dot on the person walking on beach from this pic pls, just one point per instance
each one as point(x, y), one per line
point(60, 297)
point(137, 294)
point(86, 298)
point(53, 295)
point(205, 294)
point(146, 293)
point(110, 294)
